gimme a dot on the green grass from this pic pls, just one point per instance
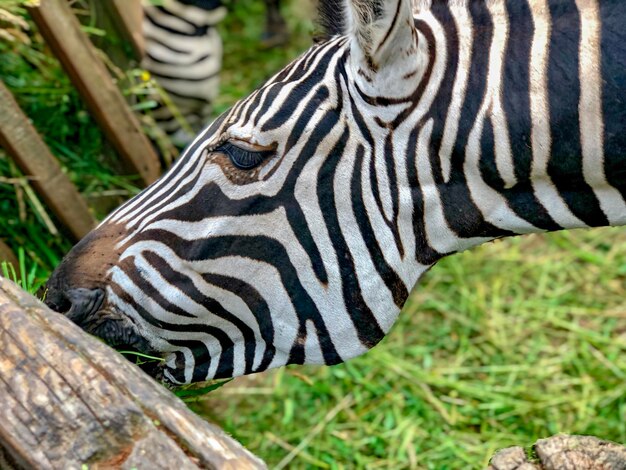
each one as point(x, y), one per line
point(513, 341)
point(47, 96)
point(246, 64)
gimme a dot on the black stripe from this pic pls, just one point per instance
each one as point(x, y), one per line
point(424, 253)
point(178, 371)
point(203, 4)
point(153, 205)
point(364, 320)
point(565, 166)
point(389, 162)
point(202, 361)
point(376, 252)
point(259, 308)
point(399, 4)
point(367, 135)
point(296, 95)
point(198, 31)
point(516, 106)
point(157, 60)
point(462, 214)
point(150, 38)
point(613, 18)
point(441, 105)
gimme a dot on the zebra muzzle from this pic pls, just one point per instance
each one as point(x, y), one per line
point(77, 304)
point(87, 308)
point(85, 303)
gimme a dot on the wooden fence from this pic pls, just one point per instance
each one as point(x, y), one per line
point(78, 56)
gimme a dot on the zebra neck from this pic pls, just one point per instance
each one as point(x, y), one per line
point(516, 138)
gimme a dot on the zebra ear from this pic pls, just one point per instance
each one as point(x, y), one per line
point(381, 30)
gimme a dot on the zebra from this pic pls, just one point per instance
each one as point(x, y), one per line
point(293, 228)
point(184, 51)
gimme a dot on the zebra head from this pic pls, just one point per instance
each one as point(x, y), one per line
point(267, 244)
point(293, 228)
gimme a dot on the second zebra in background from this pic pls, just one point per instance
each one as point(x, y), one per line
point(183, 52)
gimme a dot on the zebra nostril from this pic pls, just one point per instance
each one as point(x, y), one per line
point(83, 303)
point(56, 300)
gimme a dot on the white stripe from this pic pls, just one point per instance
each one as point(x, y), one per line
point(503, 154)
point(491, 203)
point(590, 113)
point(373, 289)
point(190, 69)
point(312, 349)
point(167, 21)
point(159, 197)
point(408, 268)
point(165, 184)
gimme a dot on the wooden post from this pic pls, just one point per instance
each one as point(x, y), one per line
point(70, 401)
point(129, 14)
point(123, 22)
point(70, 45)
point(21, 140)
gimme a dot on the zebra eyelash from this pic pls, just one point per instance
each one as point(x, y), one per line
point(243, 159)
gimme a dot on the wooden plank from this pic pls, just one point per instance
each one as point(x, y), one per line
point(72, 47)
point(122, 21)
point(21, 140)
point(70, 401)
point(129, 14)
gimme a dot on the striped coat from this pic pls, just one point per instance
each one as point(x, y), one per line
point(294, 227)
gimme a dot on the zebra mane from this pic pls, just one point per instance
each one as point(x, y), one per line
point(330, 19)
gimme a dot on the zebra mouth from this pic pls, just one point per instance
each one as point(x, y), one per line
point(88, 309)
point(117, 330)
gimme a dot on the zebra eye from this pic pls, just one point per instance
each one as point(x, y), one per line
point(244, 158)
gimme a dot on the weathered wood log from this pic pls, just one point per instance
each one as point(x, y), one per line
point(71, 46)
point(27, 148)
point(68, 400)
point(563, 452)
